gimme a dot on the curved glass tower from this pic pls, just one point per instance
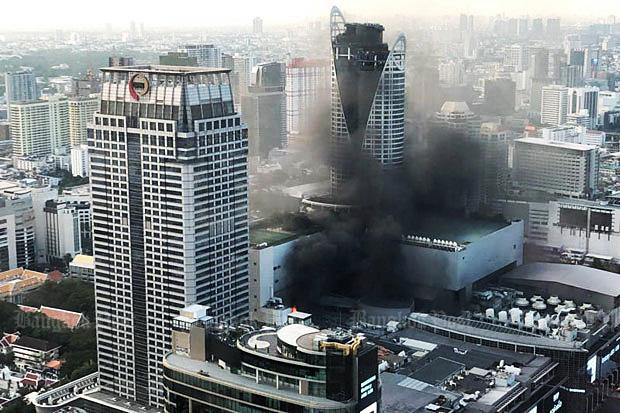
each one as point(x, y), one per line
point(368, 99)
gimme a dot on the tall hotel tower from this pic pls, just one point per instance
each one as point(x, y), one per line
point(168, 158)
point(368, 99)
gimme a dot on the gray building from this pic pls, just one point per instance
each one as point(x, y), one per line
point(170, 225)
point(20, 87)
point(206, 55)
point(264, 109)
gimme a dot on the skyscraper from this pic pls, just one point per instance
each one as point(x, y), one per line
point(368, 98)
point(307, 92)
point(264, 109)
point(584, 98)
point(168, 160)
point(20, 87)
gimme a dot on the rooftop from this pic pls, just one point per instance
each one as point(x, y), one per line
point(578, 276)
point(458, 229)
point(167, 70)
point(556, 144)
point(86, 261)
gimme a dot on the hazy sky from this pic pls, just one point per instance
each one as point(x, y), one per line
point(94, 14)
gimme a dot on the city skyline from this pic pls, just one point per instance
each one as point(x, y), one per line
point(64, 14)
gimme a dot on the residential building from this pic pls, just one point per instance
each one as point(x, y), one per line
point(517, 57)
point(170, 215)
point(81, 111)
point(40, 127)
point(20, 87)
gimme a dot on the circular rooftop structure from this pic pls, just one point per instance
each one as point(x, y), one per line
point(291, 333)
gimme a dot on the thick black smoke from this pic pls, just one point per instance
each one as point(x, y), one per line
point(358, 254)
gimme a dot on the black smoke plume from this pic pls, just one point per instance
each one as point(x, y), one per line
point(358, 254)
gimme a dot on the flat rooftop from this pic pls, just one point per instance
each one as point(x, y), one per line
point(578, 276)
point(168, 70)
point(556, 144)
point(452, 228)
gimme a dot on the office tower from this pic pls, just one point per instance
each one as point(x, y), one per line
point(40, 128)
point(307, 93)
point(264, 110)
point(20, 87)
point(115, 61)
point(62, 230)
point(79, 160)
point(81, 111)
point(499, 96)
point(8, 253)
point(517, 57)
point(561, 168)
point(584, 98)
point(494, 145)
point(170, 225)
point(554, 105)
point(368, 98)
point(257, 25)
point(207, 55)
point(178, 59)
point(581, 118)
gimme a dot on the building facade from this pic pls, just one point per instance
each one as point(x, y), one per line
point(561, 168)
point(81, 111)
point(40, 128)
point(554, 105)
point(368, 98)
point(20, 87)
point(307, 93)
point(168, 159)
point(206, 55)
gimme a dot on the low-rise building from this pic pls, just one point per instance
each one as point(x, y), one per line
point(14, 284)
point(83, 267)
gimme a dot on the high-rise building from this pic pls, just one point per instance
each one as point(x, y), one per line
point(242, 74)
point(539, 63)
point(451, 73)
point(20, 87)
point(538, 28)
point(17, 228)
point(368, 98)
point(264, 109)
point(257, 25)
point(81, 111)
point(170, 214)
point(571, 75)
point(584, 98)
point(207, 55)
point(307, 93)
point(568, 169)
point(553, 27)
point(554, 105)
point(40, 128)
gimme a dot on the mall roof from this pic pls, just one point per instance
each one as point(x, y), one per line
point(586, 278)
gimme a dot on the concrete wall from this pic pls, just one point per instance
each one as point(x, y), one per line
point(457, 270)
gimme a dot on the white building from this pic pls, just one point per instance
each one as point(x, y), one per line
point(517, 57)
point(79, 160)
point(568, 169)
point(62, 230)
point(81, 111)
point(308, 85)
point(170, 215)
point(451, 73)
point(83, 267)
point(18, 228)
point(584, 98)
point(40, 127)
point(565, 133)
point(554, 105)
